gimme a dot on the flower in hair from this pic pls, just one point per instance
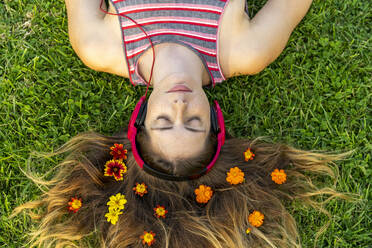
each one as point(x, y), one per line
point(248, 230)
point(148, 238)
point(256, 218)
point(115, 168)
point(278, 176)
point(118, 152)
point(160, 211)
point(116, 202)
point(113, 216)
point(203, 193)
point(248, 155)
point(140, 189)
point(235, 176)
point(74, 204)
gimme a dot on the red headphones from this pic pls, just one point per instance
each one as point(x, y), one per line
point(138, 118)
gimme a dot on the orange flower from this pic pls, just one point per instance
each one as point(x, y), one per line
point(160, 211)
point(115, 168)
point(278, 176)
point(235, 176)
point(118, 152)
point(140, 189)
point(203, 193)
point(256, 218)
point(148, 238)
point(74, 204)
point(248, 155)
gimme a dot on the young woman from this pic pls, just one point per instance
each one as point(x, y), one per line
point(196, 43)
point(150, 186)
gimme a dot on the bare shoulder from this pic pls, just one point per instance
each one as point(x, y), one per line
point(105, 51)
point(236, 55)
point(247, 45)
point(96, 37)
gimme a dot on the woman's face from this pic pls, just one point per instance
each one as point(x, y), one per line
point(178, 120)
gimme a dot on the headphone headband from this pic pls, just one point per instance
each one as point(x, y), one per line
point(137, 119)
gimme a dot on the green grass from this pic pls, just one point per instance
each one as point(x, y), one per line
point(315, 96)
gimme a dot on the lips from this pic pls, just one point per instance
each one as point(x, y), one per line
point(179, 88)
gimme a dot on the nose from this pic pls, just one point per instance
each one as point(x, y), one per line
point(180, 101)
point(180, 106)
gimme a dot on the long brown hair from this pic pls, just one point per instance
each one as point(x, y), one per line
point(220, 223)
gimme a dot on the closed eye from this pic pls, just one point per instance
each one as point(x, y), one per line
point(170, 128)
point(194, 118)
point(167, 119)
point(163, 117)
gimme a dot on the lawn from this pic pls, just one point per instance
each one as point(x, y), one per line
point(315, 96)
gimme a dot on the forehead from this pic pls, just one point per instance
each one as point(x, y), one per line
point(177, 143)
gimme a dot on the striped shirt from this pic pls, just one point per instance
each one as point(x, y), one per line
point(192, 23)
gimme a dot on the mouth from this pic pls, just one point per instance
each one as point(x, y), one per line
point(179, 88)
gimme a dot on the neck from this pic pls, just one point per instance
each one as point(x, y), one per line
point(173, 62)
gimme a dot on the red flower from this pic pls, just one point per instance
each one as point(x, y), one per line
point(160, 211)
point(115, 168)
point(74, 204)
point(118, 152)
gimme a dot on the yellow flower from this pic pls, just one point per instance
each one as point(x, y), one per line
point(248, 230)
point(248, 155)
point(203, 194)
point(235, 176)
point(140, 189)
point(256, 218)
point(160, 211)
point(148, 238)
point(74, 204)
point(278, 176)
point(117, 202)
point(113, 216)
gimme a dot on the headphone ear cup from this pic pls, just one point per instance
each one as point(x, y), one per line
point(140, 120)
point(214, 121)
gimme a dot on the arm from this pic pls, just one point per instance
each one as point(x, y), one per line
point(262, 39)
point(95, 37)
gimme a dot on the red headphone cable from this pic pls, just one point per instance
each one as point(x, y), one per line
point(147, 36)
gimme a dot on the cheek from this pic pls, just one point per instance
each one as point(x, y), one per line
point(202, 104)
point(156, 103)
point(201, 108)
point(157, 106)
point(152, 109)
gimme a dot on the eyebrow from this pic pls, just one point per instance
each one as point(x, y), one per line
point(187, 128)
